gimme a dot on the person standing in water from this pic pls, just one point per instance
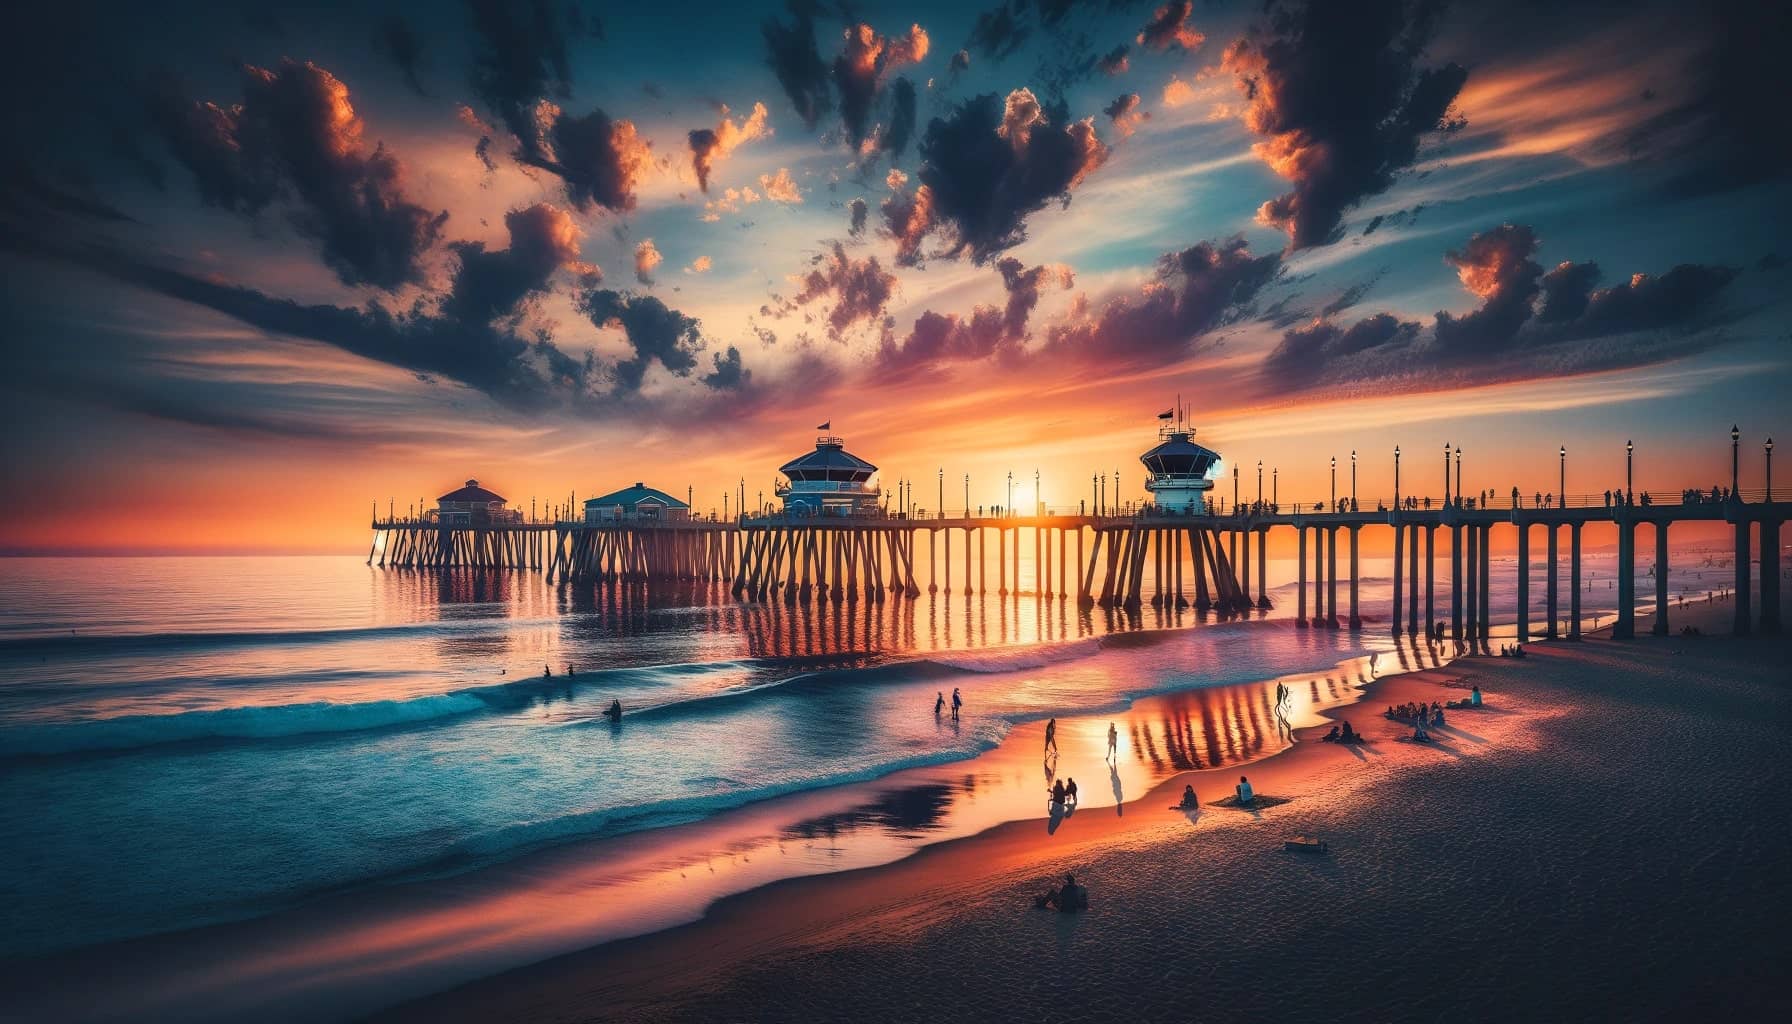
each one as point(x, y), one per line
point(957, 702)
point(939, 703)
point(1113, 741)
point(1051, 735)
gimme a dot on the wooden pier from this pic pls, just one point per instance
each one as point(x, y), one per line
point(1200, 562)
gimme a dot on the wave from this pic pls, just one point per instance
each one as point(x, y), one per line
point(132, 643)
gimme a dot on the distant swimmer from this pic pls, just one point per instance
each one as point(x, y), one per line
point(1113, 741)
point(957, 702)
point(614, 711)
point(1051, 735)
point(939, 703)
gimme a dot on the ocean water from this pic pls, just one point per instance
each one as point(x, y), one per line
point(185, 741)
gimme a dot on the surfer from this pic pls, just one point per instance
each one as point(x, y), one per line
point(614, 711)
point(939, 703)
point(1051, 735)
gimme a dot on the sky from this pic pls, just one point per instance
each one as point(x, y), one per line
point(269, 266)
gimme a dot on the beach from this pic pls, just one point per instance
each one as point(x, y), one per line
point(1607, 838)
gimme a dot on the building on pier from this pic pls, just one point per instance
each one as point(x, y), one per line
point(829, 481)
point(1178, 466)
point(473, 505)
point(636, 503)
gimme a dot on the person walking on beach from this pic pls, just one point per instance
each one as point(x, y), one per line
point(939, 703)
point(1113, 741)
point(1051, 735)
point(957, 702)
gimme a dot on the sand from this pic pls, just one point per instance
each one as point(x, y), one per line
point(1608, 839)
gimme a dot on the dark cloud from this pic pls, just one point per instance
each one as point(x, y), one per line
point(1125, 114)
point(492, 284)
point(1203, 287)
point(902, 118)
point(704, 143)
point(938, 338)
point(908, 217)
point(999, 31)
point(399, 43)
point(858, 289)
point(1578, 328)
point(793, 58)
point(656, 333)
point(729, 374)
point(988, 165)
point(1115, 61)
point(1351, 295)
point(1169, 27)
point(26, 195)
point(296, 137)
point(519, 60)
point(961, 62)
point(859, 209)
point(862, 67)
point(1337, 93)
point(599, 158)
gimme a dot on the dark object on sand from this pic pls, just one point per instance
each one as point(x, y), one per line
point(1070, 898)
point(1301, 844)
point(1258, 803)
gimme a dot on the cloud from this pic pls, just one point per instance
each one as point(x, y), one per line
point(961, 62)
point(998, 33)
point(492, 284)
point(601, 160)
point(793, 58)
point(399, 43)
point(731, 200)
point(1178, 92)
point(1169, 27)
point(985, 167)
point(1205, 286)
point(861, 68)
point(700, 265)
point(902, 118)
point(858, 289)
point(295, 139)
point(1336, 92)
point(938, 338)
point(908, 217)
point(780, 187)
point(655, 333)
point(1124, 112)
point(519, 59)
point(1578, 328)
point(646, 259)
point(709, 146)
point(729, 373)
point(1115, 61)
point(858, 209)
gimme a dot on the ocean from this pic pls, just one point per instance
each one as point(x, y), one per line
point(186, 741)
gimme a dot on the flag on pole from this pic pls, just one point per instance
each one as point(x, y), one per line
point(829, 425)
point(1166, 414)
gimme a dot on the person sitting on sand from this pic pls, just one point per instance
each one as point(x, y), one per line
point(1419, 734)
point(1189, 800)
point(1245, 793)
point(1071, 897)
point(1058, 793)
point(1070, 791)
point(614, 711)
point(1330, 737)
point(1474, 696)
point(1349, 735)
point(1437, 716)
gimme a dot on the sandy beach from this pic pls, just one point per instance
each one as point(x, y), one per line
point(1583, 847)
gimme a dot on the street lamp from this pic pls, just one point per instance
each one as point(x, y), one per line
point(1259, 481)
point(940, 513)
point(1562, 478)
point(1035, 491)
point(1396, 476)
point(1275, 486)
point(1735, 469)
point(1095, 492)
point(1770, 471)
point(1234, 488)
point(967, 500)
point(1334, 505)
point(1353, 479)
point(1446, 473)
point(1459, 473)
point(1008, 509)
point(1629, 448)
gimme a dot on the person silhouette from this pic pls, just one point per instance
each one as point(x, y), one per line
point(957, 702)
point(1113, 741)
point(1051, 735)
point(939, 703)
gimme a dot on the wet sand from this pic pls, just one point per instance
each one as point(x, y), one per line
point(1608, 839)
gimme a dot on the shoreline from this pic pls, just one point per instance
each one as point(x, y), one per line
point(810, 918)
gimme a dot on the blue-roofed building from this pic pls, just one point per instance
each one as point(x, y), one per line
point(637, 502)
point(829, 481)
point(1178, 482)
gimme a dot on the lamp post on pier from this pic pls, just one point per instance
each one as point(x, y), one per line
point(1275, 486)
point(1333, 507)
point(1458, 473)
point(1562, 477)
point(1259, 482)
point(1735, 467)
point(1235, 488)
point(967, 502)
point(1095, 492)
point(940, 513)
point(1446, 474)
point(1036, 499)
point(1353, 481)
point(1396, 477)
point(1629, 449)
point(1770, 471)
point(1008, 509)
